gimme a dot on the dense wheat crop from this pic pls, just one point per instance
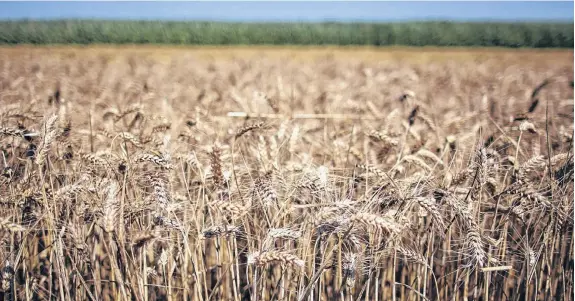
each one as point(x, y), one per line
point(124, 177)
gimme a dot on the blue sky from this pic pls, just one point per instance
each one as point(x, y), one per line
point(293, 11)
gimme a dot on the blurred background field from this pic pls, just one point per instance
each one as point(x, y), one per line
point(525, 34)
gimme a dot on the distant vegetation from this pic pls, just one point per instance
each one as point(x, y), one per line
point(539, 35)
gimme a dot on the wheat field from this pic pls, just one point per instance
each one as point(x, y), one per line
point(291, 174)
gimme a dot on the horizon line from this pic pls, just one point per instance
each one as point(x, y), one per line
point(326, 20)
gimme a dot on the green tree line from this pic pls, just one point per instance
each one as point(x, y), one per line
point(538, 35)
